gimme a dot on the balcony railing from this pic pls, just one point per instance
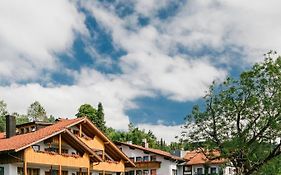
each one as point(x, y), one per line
point(148, 164)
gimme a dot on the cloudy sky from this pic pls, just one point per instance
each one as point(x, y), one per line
point(147, 61)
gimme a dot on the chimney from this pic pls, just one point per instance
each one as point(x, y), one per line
point(10, 126)
point(144, 143)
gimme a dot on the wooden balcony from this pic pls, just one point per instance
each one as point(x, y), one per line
point(32, 156)
point(148, 164)
point(110, 166)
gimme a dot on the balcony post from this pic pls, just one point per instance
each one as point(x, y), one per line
point(59, 143)
point(25, 168)
point(60, 171)
point(80, 130)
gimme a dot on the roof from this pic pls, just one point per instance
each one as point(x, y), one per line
point(112, 149)
point(19, 142)
point(22, 141)
point(151, 150)
point(197, 157)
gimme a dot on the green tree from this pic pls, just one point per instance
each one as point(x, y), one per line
point(100, 118)
point(242, 118)
point(51, 119)
point(3, 113)
point(96, 116)
point(36, 112)
point(20, 118)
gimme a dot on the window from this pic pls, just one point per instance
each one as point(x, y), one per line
point(200, 171)
point(145, 158)
point(174, 172)
point(36, 147)
point(213, 170)
point(153, 172)
point(139, 172)
point(145, 172)
point(187, 169)
point(52, 149)
point(131, 173)
point(30, 171)
point(64, 151)
point(138, 159)
point(153, 158)
point(33, 128)
point(27, 130)
point(132, 159)
point(1, 170)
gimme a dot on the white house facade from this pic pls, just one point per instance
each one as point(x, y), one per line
point(149, 161)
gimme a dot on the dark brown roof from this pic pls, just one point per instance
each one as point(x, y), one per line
point(152, 150)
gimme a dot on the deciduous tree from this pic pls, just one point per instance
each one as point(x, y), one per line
point(3, 113)
point(96, 116)
point(242, 118)
point(36, 112)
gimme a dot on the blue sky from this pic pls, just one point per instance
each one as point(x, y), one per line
point(147, 61)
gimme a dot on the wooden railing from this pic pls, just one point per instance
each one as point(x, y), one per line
point(148, 164)
point(48, 158)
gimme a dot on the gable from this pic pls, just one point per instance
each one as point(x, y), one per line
point(97, 141)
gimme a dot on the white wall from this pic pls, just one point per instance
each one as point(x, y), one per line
point(166, 165)
point(9, 169)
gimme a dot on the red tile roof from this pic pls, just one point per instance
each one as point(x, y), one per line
point(197, 157)
point(19, 142)
point(152, 150)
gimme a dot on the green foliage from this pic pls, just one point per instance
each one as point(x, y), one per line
point(96, 116)
point(272, 168)
point(3, 113)
point(20, 118)
point(100, 122)
point(36, 112)
point(51, 119)
point(242, 118)
point(137, 135)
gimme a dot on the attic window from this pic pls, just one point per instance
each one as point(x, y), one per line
point(36, 147)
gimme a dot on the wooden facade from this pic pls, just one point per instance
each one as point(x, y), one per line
point(93, 152)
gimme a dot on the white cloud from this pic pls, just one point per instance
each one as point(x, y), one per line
point(148, 66)
point(176, 78)
point(252, 26)
point(32, 32)
point(35, 31)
